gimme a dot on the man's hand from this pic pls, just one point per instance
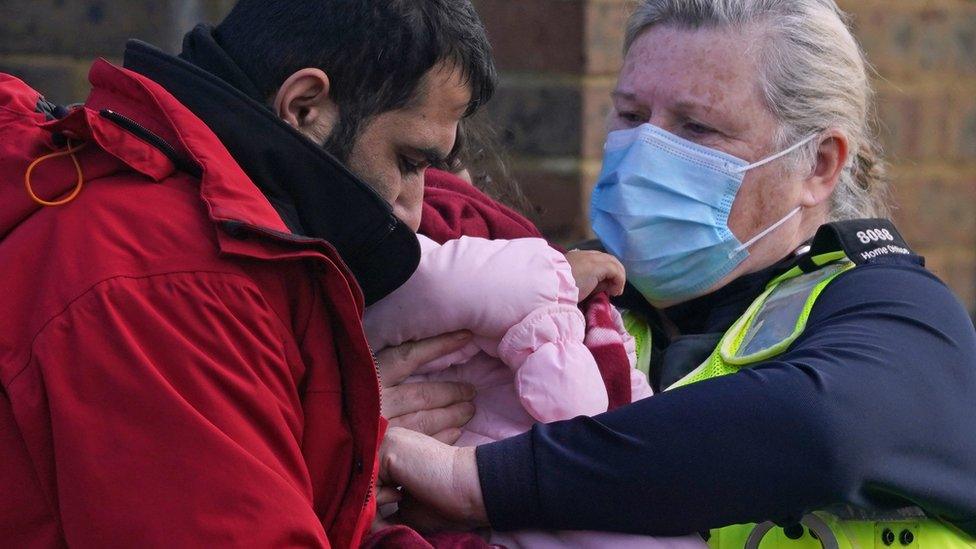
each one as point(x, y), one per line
point(439, 409)
point(596, 272)
point(440, 482)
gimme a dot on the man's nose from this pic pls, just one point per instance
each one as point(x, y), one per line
point(409, 205)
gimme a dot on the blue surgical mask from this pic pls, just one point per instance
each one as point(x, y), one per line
point(662, 204)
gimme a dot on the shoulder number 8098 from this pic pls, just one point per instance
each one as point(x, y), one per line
point(874, 235)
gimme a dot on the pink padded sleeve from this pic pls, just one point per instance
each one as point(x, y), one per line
point(555, 375)
point(485, 286)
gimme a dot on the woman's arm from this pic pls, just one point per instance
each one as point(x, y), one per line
point(872, 406)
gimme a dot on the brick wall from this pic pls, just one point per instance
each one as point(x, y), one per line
point(51, 43)
point(558, 60)
point(925, 54)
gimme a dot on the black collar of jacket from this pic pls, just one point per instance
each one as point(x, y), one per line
point(314, 193)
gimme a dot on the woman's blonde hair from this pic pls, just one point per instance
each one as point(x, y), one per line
point(813, 75)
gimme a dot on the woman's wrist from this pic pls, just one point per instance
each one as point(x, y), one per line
point(467, 483)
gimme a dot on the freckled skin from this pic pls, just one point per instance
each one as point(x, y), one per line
point(430, 123)
point(682, 80)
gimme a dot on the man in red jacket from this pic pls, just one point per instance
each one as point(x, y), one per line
point(185, 263)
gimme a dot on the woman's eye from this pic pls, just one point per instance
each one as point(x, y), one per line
point(631, 117)
point(698, 129)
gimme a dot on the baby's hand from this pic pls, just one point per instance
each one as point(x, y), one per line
point(596, 272)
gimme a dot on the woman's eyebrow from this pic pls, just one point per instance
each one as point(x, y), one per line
point(684, 105)
point(687, 106)
point(628, 96)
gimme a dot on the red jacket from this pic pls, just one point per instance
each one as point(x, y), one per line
point(177, 370)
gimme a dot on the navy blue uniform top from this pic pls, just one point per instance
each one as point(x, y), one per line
point(874, 406)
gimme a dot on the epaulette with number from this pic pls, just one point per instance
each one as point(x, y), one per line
point(862, 240)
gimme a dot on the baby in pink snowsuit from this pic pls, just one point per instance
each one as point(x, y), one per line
point(527, 359)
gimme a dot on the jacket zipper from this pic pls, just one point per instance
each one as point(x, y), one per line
point(379, 381)
point(181, 162)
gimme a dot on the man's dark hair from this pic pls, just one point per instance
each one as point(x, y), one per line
point(376, 52)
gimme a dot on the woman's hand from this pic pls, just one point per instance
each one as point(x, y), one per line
point(440, 482)
point(596, 272)
point(439, 409)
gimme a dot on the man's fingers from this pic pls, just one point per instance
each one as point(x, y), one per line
point(448, 436)
point(435, 421)
point(426, 395)
point(386, 495)
point(398, 363)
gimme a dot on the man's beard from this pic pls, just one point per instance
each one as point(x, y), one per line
point(341, 141)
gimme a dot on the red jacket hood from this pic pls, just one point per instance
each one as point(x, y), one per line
point(26, 134)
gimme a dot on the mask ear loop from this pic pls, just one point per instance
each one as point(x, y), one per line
point(778, 155)
point(788, 216)
point(772, 228)
point(70, 151)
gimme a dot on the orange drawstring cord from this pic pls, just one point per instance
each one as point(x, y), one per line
point(70, 151)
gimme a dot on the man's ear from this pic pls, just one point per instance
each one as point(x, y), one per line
point(303, 102)
point(832, 158)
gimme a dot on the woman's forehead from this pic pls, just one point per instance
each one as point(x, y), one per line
point(685, 67)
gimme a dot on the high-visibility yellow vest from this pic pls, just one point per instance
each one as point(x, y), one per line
point(768, 327)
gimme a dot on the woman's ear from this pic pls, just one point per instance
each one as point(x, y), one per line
point(303, 102)
point(833, 154)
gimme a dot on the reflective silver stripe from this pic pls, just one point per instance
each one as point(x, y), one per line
point(777, 319)
point(816, 524)
point(849, 512)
